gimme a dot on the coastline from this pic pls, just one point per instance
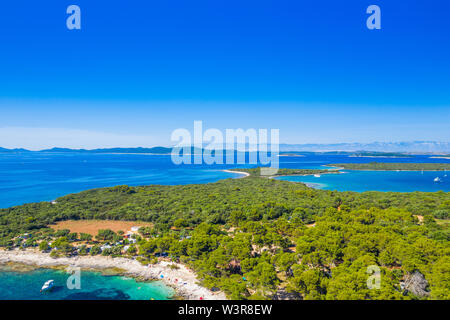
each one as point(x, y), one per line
point(182, 280)
point(386, 157)
point(331, 171)
point(410, 170)
point(244, 174)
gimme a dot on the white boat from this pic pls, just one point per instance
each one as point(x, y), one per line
point(48, 285)
point(317, 175)
point(437, 179)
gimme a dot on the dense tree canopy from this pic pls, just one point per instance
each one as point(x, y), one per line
point(254, 237)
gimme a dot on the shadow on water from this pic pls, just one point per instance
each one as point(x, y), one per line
point(52, 291)
point(99, 294)
point(57, 288)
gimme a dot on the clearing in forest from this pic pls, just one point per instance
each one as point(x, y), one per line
point(92, 226)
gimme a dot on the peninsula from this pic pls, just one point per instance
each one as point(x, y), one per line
point(250, 238)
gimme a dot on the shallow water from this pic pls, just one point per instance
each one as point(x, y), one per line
point(19, 285)
point(401, 181)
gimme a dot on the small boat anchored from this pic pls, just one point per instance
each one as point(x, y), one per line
point(437, 179)
point(317, 175)
point(47, 285)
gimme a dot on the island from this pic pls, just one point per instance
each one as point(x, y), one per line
point(393, 166)
point(289, 154)
point(365, 154)
point(256, 172)
point(250, 238)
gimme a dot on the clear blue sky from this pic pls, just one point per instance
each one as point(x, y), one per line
point(140, 69)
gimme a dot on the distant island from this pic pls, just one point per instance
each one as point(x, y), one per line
point(287, 154)
point(381, 155)
point(256, 172)
point(393, 166)
point(154, 150)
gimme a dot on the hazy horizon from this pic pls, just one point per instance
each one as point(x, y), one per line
point(377, 146)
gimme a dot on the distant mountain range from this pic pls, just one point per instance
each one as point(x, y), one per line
point(155, 150)
point(407, 147)
point(402, 147)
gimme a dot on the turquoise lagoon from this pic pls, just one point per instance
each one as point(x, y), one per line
point(26, 285)
point(396, 181)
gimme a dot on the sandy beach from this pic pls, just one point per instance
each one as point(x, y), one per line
point(183, 280)
point(244, 174)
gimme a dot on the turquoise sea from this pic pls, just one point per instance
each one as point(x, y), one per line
point(401, 181)
point(33, 177)
point(26, 285)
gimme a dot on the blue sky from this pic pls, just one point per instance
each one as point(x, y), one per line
point(140, 69)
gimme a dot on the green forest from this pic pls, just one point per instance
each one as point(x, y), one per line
point(258, 238)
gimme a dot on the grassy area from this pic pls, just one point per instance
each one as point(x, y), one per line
point(92, 226)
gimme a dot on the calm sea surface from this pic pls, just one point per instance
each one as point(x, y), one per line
point(402, 181)
point(34, 177)
point(94, 286)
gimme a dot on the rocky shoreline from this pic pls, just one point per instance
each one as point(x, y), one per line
point(177, 276)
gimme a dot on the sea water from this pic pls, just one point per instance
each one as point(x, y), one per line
point(26, 285)
point(397, 181)
point(34, 177)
